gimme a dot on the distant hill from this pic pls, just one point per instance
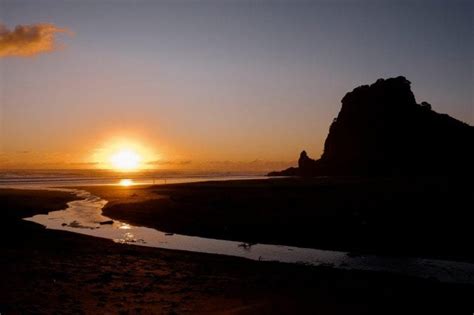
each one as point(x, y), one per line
point(381, 130)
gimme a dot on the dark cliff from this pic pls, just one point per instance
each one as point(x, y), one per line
point(381, 130)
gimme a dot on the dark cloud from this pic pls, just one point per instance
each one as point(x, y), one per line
point(168, 162)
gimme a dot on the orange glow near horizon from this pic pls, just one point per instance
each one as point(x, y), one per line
point(124, 155)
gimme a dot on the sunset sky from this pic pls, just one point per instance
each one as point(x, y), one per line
point(187, 83)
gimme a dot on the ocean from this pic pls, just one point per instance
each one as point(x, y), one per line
point(58, 178)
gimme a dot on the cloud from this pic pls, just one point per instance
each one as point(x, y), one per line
point(84, 163)
point(255, 165)
point(169, 162)
point(29, 40)
point(224, 165)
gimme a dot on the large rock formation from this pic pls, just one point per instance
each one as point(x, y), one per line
point(381, 130)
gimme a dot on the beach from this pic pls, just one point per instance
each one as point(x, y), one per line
point(47, 271)
point(236, 157)
point(377, 216)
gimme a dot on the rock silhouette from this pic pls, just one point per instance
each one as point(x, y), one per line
point(381, 130)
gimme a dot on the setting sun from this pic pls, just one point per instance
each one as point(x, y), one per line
point(125, 154)
point(169, 156)
point(125, 160)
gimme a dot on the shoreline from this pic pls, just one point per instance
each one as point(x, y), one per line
point(256, 211)
point(86, 274)
point(84, 216)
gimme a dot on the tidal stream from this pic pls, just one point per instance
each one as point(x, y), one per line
point(84, 216)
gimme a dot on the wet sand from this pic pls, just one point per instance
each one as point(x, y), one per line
point(45, 271)
point(420, 217)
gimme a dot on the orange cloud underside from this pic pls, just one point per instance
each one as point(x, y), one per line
point(29, 40)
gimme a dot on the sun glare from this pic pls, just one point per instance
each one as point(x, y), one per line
point(126, 182)
point(124, 155)
point(125, 160)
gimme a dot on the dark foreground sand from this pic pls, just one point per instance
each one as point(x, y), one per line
point(53, 272)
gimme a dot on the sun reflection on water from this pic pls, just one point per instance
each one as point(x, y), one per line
point(124, 226)
point(126, 182)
